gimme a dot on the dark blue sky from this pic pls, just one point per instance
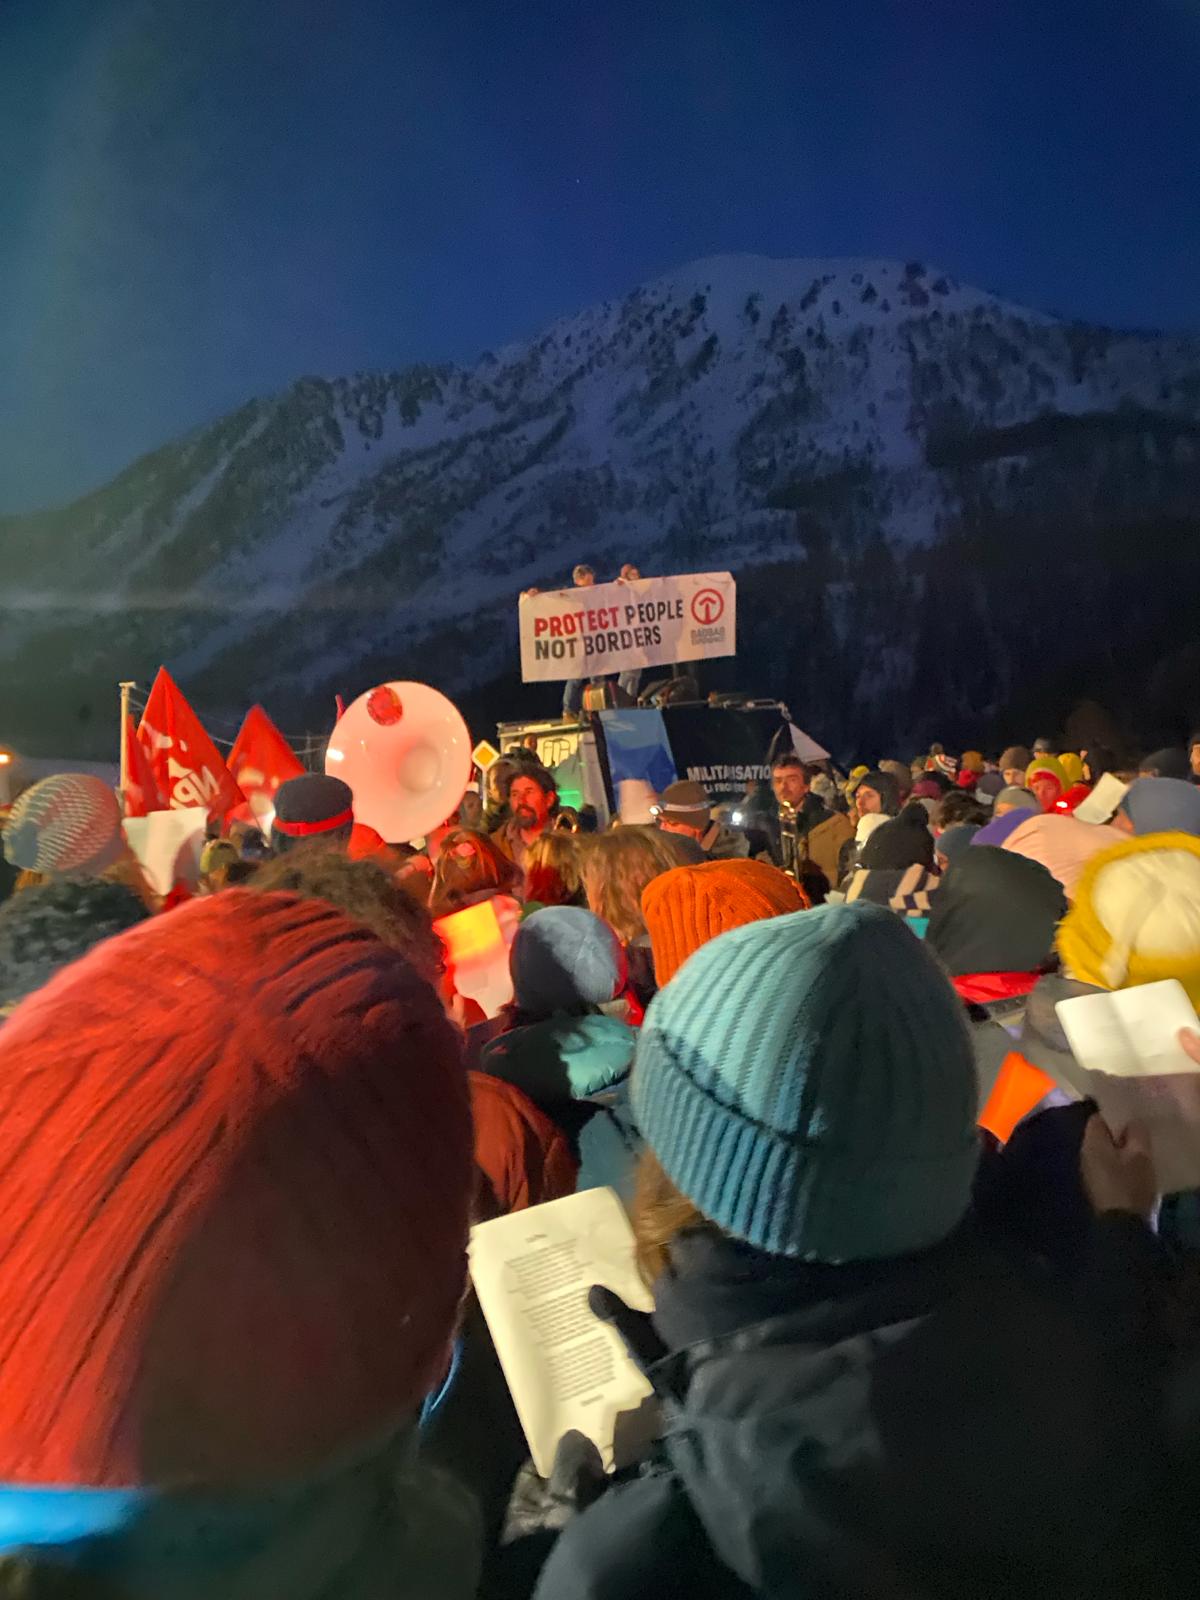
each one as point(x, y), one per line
point(202, 199)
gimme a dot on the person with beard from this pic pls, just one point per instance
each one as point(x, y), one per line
point(533, 800)
point(897, 866)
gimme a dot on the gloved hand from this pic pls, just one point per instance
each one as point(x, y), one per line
point(635, 1327)
point(545, 1505)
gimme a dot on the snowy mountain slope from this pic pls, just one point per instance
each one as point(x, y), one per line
point(738, 412)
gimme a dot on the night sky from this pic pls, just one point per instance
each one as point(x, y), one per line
point(201, 200)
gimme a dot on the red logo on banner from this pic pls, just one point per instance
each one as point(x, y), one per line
point(707, 606)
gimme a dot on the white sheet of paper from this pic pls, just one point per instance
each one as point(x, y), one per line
point(168, 845)
point(565, 1369)
point(1103, 800)
point(1128, 1059)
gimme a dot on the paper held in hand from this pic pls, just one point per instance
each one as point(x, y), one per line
point(565, 1368)
point(1129, 1061)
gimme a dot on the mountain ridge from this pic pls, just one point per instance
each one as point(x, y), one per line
point(773, 416)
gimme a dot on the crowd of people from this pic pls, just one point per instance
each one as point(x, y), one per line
point(925, 1323)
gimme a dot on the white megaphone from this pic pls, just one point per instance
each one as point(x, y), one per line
point(405, 751)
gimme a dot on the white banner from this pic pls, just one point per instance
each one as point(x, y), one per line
point(616, 627)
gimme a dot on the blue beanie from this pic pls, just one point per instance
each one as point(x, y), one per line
point(808, 1083)
point(1163, 805)
point(564, 958)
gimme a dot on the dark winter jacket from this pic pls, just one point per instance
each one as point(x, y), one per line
point(938, 1426)
point(576, 1070)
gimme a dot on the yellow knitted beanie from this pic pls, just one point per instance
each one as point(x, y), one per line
point(1136, 916)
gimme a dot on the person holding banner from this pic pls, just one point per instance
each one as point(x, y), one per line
point(572, 704)
point(629, 681)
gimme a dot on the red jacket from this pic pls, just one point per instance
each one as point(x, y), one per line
point(521, 1156)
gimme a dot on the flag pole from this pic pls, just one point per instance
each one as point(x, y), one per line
point(125, 689)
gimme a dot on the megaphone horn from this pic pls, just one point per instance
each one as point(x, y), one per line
point(405, 751)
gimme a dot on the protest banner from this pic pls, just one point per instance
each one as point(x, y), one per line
point(260, 761)
point(138, 786)
point(187, 768)
point(617, 627)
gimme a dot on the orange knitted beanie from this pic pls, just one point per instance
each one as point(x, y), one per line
point(688, 906)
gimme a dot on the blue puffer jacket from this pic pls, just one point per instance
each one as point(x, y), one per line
point(576, 1070)
point(932, 1427)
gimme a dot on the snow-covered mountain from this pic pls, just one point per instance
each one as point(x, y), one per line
point(914, 481)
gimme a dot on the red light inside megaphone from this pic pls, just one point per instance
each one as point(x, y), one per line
point(384, 706)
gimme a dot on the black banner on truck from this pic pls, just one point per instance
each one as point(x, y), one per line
point(725, 750)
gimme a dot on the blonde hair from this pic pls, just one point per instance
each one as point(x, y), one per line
point(617, 867)
point(660, 1214)
point(553, 870)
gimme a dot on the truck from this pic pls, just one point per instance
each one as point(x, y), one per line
point(727, 743)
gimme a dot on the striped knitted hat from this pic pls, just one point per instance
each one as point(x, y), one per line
point(69, 824)
point(688, 906)
point(235, 1169)
point(808, 1083)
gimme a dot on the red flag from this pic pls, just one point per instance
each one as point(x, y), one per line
point(141, 791)
point(187, 766)
point(262, 759)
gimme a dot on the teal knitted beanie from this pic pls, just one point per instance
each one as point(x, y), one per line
point(807, 1082)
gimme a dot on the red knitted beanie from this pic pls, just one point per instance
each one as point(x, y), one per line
point(235, 1170)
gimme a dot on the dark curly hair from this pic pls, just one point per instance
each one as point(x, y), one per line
point(363, 890)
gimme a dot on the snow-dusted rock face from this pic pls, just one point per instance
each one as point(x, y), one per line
point(926, 493)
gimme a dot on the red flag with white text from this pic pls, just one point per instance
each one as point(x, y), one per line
point(262, 759)
point(141, 790)
point(187, 766)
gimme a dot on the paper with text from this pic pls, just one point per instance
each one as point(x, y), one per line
point(1127, 1059)
point(565, 1369)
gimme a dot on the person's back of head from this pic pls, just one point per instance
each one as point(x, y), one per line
point(1168, 763)
point(240, 1181)
point(1136, 916)
point(313, 811)
point(960, 805)
point(68, 825)
point(951, 843)
point(553, 870)
point(688, 906)
point(901, 774)
point(469, 868)
point(806, 1082)
point(1015, 798)
point(565, 960)
point(1162, 805)
point(616, 869)
point(901, 842)
point(52, 924)
point(995, 912)
point(364, 890)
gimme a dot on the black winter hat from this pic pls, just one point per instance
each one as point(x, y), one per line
point(311, 808)
point(1168, 763)
point(885, 786)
